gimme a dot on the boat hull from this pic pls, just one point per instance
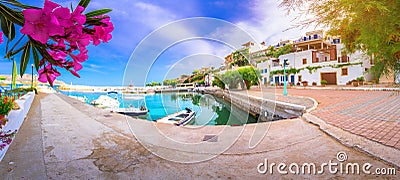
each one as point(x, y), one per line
point(180, 118)
point(134, 113)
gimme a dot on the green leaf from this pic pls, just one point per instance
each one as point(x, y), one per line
point(95, 21)
point(35, 58)
point(12, 15)
point(98, 12)
point(72, 8)
point(4, 25)
point(25, 58)
point(11, 29)
point(18, 4)
point(8, 28)
point(12, 53)
point(84, 3)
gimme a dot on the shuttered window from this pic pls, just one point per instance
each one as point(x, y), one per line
point(345, 72)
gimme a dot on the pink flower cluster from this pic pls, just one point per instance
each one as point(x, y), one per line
point(6, 138)
point(65, 34)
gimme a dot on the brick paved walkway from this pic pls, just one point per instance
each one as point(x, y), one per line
point(371, 114)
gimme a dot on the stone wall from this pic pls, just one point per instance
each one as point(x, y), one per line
point(265, 109)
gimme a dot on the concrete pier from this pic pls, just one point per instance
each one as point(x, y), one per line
point(258, 106)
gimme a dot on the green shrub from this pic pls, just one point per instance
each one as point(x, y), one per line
point(24, 90)
point(361, 78)
point(6, 105)
point(217, 82)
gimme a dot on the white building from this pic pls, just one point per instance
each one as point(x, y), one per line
point(264, 68)
point(317, 58)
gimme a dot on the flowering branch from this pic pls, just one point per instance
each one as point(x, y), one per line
point(57, 36)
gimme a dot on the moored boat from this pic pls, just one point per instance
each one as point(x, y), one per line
point(180, 118)
point(106, 102)
point(132, 111)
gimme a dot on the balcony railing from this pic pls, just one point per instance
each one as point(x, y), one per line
point(309, 38)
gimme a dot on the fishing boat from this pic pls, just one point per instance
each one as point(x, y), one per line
point(132, 111)
point(180, 118)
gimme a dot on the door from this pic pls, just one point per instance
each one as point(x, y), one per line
point(276, 80)
point(331, 78)
point(292, 79)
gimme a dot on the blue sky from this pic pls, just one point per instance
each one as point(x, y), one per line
point(134, 20)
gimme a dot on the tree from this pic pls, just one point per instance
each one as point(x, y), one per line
point(217, 82)
point(195, 72)
point(153, 84)
point(231, 78)
point(54, 36)
point(241, 57)
point(282, 50)
point(170, 82)
point(371, 26)
point(250, 75)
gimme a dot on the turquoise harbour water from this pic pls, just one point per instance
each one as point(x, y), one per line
point(209, 110)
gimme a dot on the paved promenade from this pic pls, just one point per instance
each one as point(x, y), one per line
point(372, 114)
point(65, 139)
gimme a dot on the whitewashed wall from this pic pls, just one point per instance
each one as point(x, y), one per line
point(264, 75)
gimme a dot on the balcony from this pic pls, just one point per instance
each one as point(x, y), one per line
point(309, 38)
point(336, 41)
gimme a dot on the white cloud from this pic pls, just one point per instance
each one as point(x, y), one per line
point(192, 62)
point(270, 23)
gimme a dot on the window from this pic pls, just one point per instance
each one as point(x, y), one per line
point(305, 61)
point(316, 60)
point(265, 71)
point(326, 59)
point(345, 72)
point(299, 78)
point(345, 58)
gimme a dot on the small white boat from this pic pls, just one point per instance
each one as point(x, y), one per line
point(105, 102)
point(180, 118)
point(131, 111)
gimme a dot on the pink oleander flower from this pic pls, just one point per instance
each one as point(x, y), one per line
point(77, 41)
point(63, 16)
point(103, 32)
point(40, 24)
point(58, 55)
point(64, 33)
point(1, 37)
point(77, 15)
point(78, 59)
point(48, 74)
